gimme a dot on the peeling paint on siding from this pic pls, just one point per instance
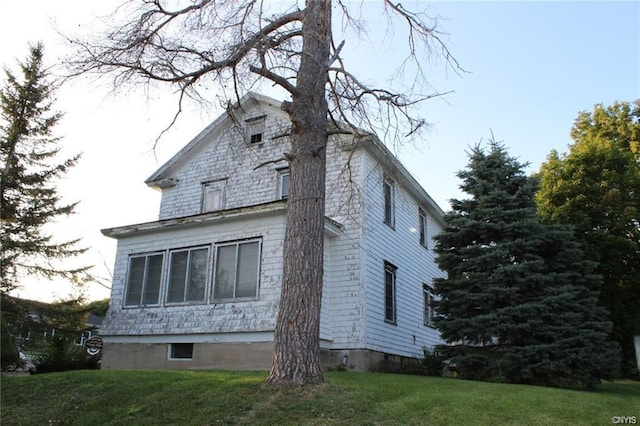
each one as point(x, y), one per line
point(351, 315)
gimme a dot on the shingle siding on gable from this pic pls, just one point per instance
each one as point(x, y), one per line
point(234, 159)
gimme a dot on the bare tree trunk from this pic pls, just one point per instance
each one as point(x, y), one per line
point(321, 88)
point(296, 357)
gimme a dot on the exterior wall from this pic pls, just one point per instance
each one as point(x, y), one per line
point(255, 355)
point(343, 279)
point(227, 155)
point(220, 317)
point(415, 266)
point(228, 351)
point(219, 356)
point(352, 315)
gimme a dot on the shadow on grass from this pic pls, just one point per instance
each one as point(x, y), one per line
point(221, 397)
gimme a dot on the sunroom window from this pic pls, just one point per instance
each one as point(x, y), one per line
point(236, 270)
point(188, 275)
point(143, 281)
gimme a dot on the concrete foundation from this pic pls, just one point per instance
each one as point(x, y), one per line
point(227, 356)
point(214, 356)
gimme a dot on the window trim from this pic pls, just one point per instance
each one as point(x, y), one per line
point(215, 185)
point(389, 220)
point(216, 264)
point(422, 226)
point(146, 257)
point(281, 176)
point(428, 313)
point(167, 282)
point(255, 126)
point(390, 302)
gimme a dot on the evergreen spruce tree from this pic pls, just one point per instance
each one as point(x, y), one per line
point(520, 301)
point(29, 166)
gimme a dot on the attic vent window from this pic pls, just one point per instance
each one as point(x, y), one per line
point(256, 138)
point(255, 129)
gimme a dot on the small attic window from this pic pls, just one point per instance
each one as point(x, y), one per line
point(255, 129)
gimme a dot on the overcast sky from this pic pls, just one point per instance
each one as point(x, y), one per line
point(531, 68)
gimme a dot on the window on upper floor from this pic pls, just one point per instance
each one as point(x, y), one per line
point(188, 275)
point(255, 129)
point(390, 292)
point(422, 224)
point(429, 310)
point(283, 184)
point(213, 196)
point(389, 201)
point(237, 267)
point(143, 281)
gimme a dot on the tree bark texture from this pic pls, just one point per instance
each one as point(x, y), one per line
point(296, 357)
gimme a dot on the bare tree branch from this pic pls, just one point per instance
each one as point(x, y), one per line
point(236, 44)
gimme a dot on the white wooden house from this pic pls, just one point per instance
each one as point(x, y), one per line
point(200, 287)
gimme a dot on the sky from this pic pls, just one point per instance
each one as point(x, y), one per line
point(529, 69)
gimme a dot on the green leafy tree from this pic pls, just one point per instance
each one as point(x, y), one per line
point(30, 169)
point(32, 322)
point(596, 188)
point(60, 352)
point(98, 307)
point(520, 301)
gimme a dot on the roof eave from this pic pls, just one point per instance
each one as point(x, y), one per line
point(161, 176)
point(332, 227)
point(371, 142)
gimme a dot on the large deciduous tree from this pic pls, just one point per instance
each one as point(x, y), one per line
point(520, 300)
point(596, 188)
point(30, 170)
point(232, 46)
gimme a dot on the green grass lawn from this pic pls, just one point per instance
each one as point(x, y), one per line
point(221, 397)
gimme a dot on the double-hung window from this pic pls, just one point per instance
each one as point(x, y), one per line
point(389, 201)
point(429, 311)
point(144, 277)
point(389, 292)
point(213, 196)
point(236, 270)
point(283, 186)
point(188, 275)
point(422, 219)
